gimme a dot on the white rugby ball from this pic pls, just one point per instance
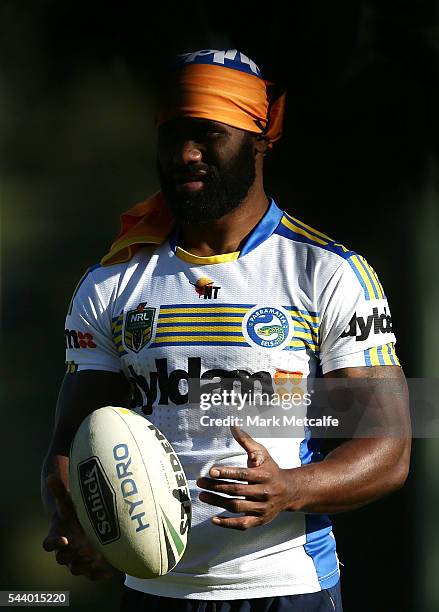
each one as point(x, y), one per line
point(130, 492)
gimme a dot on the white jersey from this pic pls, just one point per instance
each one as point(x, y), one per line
point(292, 304)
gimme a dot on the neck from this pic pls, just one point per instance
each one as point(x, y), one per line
point(226, 234)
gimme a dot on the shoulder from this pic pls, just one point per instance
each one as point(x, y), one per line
point(100, 282)
point(321, 254)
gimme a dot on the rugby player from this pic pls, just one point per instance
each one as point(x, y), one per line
point(230, 287)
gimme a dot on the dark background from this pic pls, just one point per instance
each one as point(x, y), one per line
point(78, 84)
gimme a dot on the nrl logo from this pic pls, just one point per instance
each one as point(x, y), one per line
point(138, 327)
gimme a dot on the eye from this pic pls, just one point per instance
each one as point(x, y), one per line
point(213, 133)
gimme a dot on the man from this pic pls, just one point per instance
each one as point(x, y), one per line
point(231, 290)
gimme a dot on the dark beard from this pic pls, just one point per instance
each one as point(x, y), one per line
point(223, 190)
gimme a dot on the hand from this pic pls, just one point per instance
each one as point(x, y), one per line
point(68, 539)
point(266, 494)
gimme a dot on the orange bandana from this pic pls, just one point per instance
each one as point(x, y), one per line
point(149, 222)
point(237, 98)
point(224, 86)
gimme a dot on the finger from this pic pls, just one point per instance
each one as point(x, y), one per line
point(231, 504)
point(251, 475)
point(51, 543)
point(255, 492)
point(257, 453)
point(62, 496)
point(81, 567)
point(101, 575)
point(66, 556)
point(70, 554)
point(242, 523)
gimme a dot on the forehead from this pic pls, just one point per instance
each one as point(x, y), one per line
point(194, 125)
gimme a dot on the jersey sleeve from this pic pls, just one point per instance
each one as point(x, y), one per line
point(356, 324)
point(88, 331)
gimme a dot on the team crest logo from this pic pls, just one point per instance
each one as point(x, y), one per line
point(268, 327)
point(138, 327)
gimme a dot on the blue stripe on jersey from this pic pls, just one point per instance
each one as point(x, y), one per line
point(320, 544)
point(368, 274)
point(302, 320)
point(359, 266)
point(367, 357)
point(264, 229)
point(173, 238)
point(307, 312)
point(261, 232)
point(198, 333)
point(309, 346)
point(197, 324)
point(360, 279)
point(380, 355)
point(183, 313)
point(390, 352)
point(182, 307)
point(222, 343)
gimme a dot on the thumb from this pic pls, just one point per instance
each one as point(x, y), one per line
point(62, 497)
point(257, 453)
point(54, 542)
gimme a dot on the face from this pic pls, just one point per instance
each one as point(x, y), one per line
point(206, 168)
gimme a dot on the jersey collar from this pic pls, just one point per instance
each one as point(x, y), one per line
point(259, 234)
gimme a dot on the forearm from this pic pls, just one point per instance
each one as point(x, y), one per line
point(356, 473)
point(57, 465)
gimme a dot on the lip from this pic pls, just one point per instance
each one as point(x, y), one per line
point(189, 186)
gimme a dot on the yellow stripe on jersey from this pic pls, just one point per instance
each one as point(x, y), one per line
point(301, 315)
point(303, 343)
point(192, 328)
point(195, 320)
point(374, 279)
point(342, 247)
point(386, 355)
point(312, 229)
point(381, 355)
point(212, 259)
point(196, 310)
point(72, 367)
point(306, 335)
point(373, 356)
point(207, 339)
point(392, 354)
point(358, 264)
point(298, 230)
point(116, 328)
point(377, 280)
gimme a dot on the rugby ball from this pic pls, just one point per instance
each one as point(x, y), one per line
point(130, 492)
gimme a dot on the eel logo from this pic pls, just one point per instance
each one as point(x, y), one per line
point(138, 327)
point(206, 288)
point(268, 327)
point(99, 500)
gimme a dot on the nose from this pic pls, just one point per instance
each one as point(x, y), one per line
point(190, 152)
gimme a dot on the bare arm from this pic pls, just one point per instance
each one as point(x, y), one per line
point(361, 470)
point(357, 472)
point(81, 393)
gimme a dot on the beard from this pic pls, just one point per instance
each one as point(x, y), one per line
point(223, 190)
